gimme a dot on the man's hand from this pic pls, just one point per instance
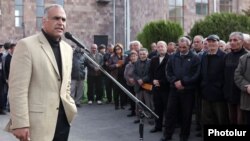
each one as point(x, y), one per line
point(248, 88)
point(131, 80)
point(23, 134)
point(178, 85)
point(140, 82)
point(118, 65)
point(156, 83)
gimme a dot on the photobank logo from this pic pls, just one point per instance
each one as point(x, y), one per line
point(215, 132)
point(235, 132)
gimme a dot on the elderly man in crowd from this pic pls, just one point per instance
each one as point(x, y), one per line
point(242, 80)
point(214, 107)
point(94, 79)
point(160, 83)
point(231, 91)
point(141, 76)
point(182, 72)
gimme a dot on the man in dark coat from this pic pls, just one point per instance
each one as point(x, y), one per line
point(231, 91)
point(160, 83)
point(78, 76)
point(214, 107)
point(182, 72)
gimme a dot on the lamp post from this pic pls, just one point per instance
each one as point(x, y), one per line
point(114, 26)
point(127, 22)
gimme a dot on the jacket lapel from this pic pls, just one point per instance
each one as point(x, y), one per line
point(49, 52)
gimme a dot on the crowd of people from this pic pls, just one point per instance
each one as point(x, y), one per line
point(205, 76)
point(6, 52)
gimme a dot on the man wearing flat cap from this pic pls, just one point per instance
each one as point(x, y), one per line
point(213, 37)
point(212, 81)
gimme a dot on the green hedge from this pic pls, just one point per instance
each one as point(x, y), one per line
point(159, 30)
point(221, 24)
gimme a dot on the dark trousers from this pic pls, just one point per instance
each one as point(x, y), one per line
point(1, 97)
point(119, 95)
point(132, 103)
point(108, 88)
point(198, 107)
point(247, 116)
point(95, 87)
point(160, 104)
point(179, 102)
point(235, 114)
point(5, 103)
point(62, 125)
point(214, 112)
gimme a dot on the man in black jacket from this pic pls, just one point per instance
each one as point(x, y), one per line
point(214, 107)
point(182, 72)
point(160, 83)
point(2, 108)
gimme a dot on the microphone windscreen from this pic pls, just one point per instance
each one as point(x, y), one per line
point(68, 35)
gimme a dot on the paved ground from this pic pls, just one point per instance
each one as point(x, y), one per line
point(103, 123)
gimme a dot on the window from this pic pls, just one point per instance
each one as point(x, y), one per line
point(39, 13)
point(18, 13)
point(201, 7)
point(176, 11)
point(226, 6)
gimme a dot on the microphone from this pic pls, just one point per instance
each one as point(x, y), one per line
point(75, 40)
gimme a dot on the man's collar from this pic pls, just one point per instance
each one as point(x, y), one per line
point(50, 39)
point(181, 54)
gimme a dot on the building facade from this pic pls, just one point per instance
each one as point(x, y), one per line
point(108, 21)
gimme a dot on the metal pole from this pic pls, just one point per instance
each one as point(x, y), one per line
point(130, 95)
point(214, 6)
point(140, 104)
point(125, 24)
point(114, 26)
point(128, 23)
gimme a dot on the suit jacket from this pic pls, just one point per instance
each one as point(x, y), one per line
point(91, 67)
point(141, 72)
point(242, 78)
point(157, 72)
point(35, 87)
point(184, 68)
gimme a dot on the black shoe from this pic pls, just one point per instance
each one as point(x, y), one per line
point(2, 112)
point(122, 108)
point(151, 122)
point(137, 121)
point(131, 115)
point(78, 105)
point(155, 130)
point(166, 139)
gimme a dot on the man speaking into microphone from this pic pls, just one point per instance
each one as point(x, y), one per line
point(41, 108)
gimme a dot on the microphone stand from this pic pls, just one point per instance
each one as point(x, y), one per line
point(142, 107)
